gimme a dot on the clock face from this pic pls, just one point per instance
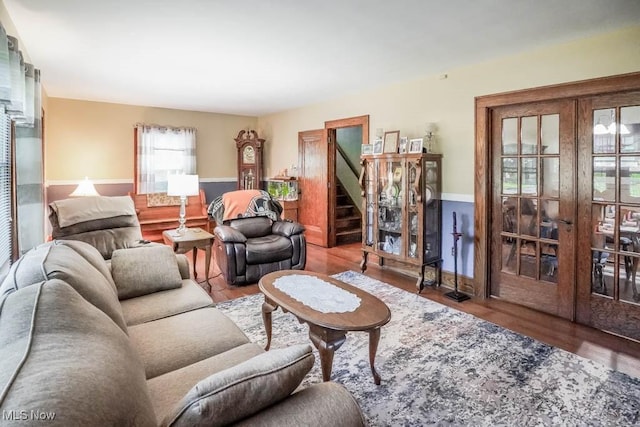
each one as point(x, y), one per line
point(248, 155)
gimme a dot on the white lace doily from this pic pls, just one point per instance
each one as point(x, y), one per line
point(316, 293)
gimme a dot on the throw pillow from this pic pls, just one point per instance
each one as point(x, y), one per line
point(241, 391)
point(144, 270)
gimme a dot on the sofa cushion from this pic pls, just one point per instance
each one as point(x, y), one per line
point(269, 248)
point(167, 390)
point(143, 270)
point(240, 391)
point(54, 260)
point(145, 308)
point(174, 342)
point(61, 355)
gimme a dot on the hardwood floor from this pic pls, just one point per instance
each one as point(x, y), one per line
point(615, 352)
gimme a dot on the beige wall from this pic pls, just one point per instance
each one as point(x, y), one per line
point(450, 102)
point(95, 139)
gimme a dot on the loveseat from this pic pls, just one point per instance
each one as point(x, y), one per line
point(135, 342)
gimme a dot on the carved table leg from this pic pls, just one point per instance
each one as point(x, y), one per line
point(207, 263)
point(267, 308)
point(195, 256)
point(374, 339)
point(327, 341)
point(363, 264)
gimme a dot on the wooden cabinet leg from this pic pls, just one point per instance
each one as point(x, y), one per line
point(363, 263)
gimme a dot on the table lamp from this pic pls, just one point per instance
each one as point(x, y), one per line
point(183, 186)
point(84, 189)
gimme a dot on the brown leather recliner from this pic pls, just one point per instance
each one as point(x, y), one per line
point(248, 248)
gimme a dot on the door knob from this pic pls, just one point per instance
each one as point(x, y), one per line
point(566, 221)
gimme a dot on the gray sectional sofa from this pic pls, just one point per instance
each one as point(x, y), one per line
point(134, 342)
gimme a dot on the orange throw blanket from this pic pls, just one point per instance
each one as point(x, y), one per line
point(236, 203)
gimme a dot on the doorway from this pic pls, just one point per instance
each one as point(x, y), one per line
point(317, 178)
point(557, 201)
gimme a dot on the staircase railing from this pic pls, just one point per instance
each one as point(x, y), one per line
point(348, 175)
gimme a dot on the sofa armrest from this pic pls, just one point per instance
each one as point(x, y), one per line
point(320, 405)
point(228, 234)
point(286, 228)
point(183, 266)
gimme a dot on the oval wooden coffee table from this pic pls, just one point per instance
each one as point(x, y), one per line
point(327, 331)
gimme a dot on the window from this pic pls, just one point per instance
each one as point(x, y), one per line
point(6, 195)
point(162, 151)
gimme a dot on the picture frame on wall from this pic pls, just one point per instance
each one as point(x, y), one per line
point(404, 144)
point(391, 140)
point(377, 146)
point(366, 149)
point(415, 145)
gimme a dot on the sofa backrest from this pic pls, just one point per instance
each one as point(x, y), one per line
point(251, 227)
point(64, 359)
point(78, 264)
point(106, 223)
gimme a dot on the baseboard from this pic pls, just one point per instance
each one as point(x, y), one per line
point(465, 283)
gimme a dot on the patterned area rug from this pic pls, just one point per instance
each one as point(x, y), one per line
point(441, 366)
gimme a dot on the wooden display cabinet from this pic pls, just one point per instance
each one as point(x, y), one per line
point(402, 214)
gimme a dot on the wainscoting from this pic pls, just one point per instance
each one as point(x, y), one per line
point(57, 190)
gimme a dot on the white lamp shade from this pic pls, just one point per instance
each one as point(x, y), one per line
point(183, 185)
point(430, 128)
point(85, 189)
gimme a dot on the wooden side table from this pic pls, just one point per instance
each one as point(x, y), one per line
point(192, 239)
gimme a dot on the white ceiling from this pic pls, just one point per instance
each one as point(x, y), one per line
point(254, 57)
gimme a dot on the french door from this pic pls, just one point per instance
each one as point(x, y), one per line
point(532, 252)
point(609, 212)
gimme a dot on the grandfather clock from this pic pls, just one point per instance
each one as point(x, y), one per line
point(249, 160)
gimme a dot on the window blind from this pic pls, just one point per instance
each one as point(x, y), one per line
point(6, 224)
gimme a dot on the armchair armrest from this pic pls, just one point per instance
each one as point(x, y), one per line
point(286, 228)
point(227, 234)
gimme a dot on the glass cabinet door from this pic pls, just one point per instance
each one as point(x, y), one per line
point(414, 217)
point(431, 198)
point(390, 190)
point(369, 197)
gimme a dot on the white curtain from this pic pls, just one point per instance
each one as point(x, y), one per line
point(163, 151)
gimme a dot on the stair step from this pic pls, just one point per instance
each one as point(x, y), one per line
point(350, 236)
point(348, 223)
point(344, 211)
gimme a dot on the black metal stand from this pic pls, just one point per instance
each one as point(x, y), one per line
point(455, 295)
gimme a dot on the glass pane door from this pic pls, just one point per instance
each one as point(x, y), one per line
point(608, 292)
point(530, 192)
point(390, 190)
point(533, 206)
point(615, 207)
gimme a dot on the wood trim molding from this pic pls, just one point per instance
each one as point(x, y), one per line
point(482, 187)
point(351, 121)
point(330, 132)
